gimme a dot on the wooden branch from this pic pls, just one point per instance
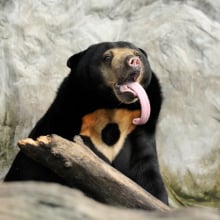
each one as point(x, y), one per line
point(76, 163)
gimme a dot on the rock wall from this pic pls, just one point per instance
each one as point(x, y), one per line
point(182, 39)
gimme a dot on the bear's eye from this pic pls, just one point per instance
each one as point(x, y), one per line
point(107, 58)
point(137, 54)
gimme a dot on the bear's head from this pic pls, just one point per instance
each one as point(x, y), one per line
point(110, 65)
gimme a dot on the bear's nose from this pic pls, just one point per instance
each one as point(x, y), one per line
point(134, 62)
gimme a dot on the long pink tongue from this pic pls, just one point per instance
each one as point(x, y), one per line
point(137, 90)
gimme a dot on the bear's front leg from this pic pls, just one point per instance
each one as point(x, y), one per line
point(144, 166)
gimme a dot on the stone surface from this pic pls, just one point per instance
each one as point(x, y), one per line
point(51, 201)
point(182, 39)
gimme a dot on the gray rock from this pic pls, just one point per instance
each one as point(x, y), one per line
point(29, 200)
point(182, 39)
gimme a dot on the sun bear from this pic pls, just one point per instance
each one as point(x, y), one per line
point(112, 99)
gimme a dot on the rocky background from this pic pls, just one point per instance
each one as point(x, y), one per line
point(182, 39)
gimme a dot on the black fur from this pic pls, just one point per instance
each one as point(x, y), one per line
point(110, 134)
point(84, 91)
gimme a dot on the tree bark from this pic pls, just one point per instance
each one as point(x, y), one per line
point(77, 164)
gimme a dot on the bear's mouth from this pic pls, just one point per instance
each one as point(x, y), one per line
point(131, 92)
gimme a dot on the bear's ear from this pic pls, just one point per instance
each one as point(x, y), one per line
point(73, 61)
point(143, 51)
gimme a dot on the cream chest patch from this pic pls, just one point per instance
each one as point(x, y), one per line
point(108, 129)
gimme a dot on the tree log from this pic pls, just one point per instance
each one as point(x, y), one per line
point(76, 163)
